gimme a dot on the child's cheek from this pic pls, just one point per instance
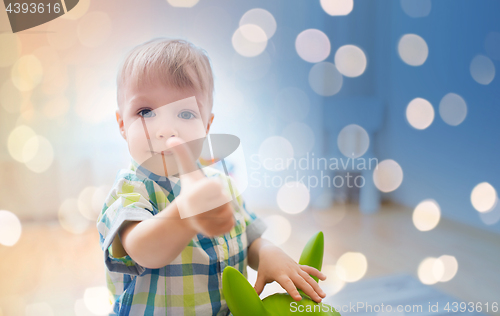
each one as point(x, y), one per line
point(138, 143)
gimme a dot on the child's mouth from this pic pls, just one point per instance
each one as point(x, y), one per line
point(165, 152)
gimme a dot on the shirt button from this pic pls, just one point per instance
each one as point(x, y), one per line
point(221, 240)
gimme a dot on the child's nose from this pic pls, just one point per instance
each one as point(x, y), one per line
point(165, 133)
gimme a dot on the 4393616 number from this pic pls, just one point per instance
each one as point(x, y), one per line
point(471, 307)
point(33, 7)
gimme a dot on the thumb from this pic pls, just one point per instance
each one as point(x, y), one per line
point(186, 163)
point(259, 285)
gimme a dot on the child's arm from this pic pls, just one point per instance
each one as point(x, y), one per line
point(253, 252)
point(155, 242)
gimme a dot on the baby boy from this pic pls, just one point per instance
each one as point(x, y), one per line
point(165, 248)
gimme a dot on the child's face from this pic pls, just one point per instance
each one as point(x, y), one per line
point(160, 112)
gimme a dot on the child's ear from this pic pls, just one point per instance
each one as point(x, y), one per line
point(210, 120)
point(119, 120)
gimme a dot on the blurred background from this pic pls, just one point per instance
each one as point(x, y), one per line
point(373, 121)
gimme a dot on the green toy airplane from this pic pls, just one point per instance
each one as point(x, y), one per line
point(242, 299)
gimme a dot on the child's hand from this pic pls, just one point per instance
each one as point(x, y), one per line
point(202, 200)
point(276, 265)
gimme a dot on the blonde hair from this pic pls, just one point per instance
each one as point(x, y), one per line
point(174, 62)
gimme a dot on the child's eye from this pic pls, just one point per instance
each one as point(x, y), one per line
point(186, 115)
point(146, 113)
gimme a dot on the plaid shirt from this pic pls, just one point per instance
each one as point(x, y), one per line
point(191, 283)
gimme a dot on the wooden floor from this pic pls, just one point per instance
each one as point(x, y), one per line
point(392, 244)
point(51, 265)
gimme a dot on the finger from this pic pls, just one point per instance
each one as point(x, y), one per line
point(186, 163)
point(312, 283)
point(205, 196)
point(259, 284)
point(289, 286)
point(306, 288)
point(313, 271)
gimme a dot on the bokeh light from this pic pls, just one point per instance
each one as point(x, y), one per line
point(98, 300)
point(388, 175)
point(292, 104)
point(351, 266)
point(450, 266)
point(483, 197)
point(263, 18)
point(279, 230)
point(80, 309)
point(413, 49)
point(482, 69)
point(183, 3)
point(312, 45)
point(420, 113)
point(30, 148)
point(333, 284)
point(70, 218)
point(416, 8)
point(426, 215)
point(276, 153)
point(26, 73)
point(325, 79)
point(337, 7)
point(301, 136)
point(94, 29)
point(39, 309)
point(353, 141)
point(430, 270)
point(17, 140)
point(38, 154)
point(293, 197)
point(492, 45)
point(10, 228)
point(350, 61)
point(11, 49)
point(453, 109)
point(249, 40)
